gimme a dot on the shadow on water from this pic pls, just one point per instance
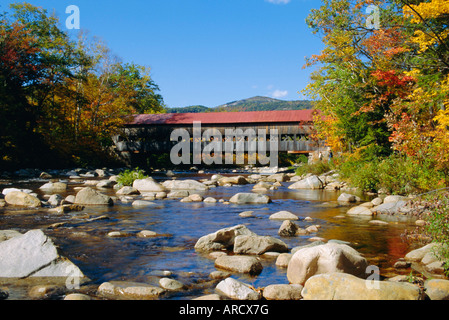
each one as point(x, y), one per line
point(179, 225)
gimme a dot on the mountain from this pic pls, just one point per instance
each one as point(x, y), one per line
point(251, 104)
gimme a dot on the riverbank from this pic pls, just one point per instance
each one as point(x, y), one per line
point(144, 243)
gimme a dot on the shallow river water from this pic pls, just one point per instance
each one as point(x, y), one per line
point(180, 224)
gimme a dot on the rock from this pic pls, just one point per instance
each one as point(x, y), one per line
point(22, 199)
point(146, 234)
point(288, 229)
point(237, 290)
point(106, 184)
point(127, 190)
point(246, 214)
point(254, 244)
point(4, 294)
point(178, 194)
point(89, 196)
point(77, 296)
point(148, 185)
point(185, 185)
point(389, 207)
point(262, 186)
point(142, 203)
point(33, 254)
point(418, 254)
point(219, 275)
point(360, 210)
point(346, 197)
point(46, 291)
point(208, 297)
point(325, 258)
point(55, 200)
point(377, 201)
point(278, 177)
point(283, 215)
point(171, 284)
point(437, 289)
point(129, 290)
point(283, 292)
point(392, 199)
point(70, 199)
point(242, 198)
point(343, 286)
point(420, 223)
point(222, 239)
point(378, 222)
point(240, 180)
point(240, 264)
point(54, 187)
point(312, 182)
point(312, 229)
point(195, 197)
point(283, 259)
point(210, 200)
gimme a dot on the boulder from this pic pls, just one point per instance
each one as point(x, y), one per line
point(325, 258)
point(254, 244)
point(240, 264)
point(343, 286)
point(185, 185)
point(283, 292)
point(210, 200)
point(55, 200)
point(22, 199)
point(394, 198)
point(288, 229)
point(242, 198)
point(127, 190)
point(283, 215)
point(33, 254)
point(54, 187)
point(222, 239)
point(278, 177)
point(312, 182)
point(240, 180)
point(129, 290)
point(283, 259)
point(360, 210)
point(389, 207)
point(237, 290)
point(346, 197)
point(262, 186)
point(89, 196)
point(171, 284)
point(147, 185)
point(437, 289)
point(142, 203)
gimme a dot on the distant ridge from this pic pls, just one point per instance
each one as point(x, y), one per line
point(257, 103)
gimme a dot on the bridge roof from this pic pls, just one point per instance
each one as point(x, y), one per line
point(224, 117)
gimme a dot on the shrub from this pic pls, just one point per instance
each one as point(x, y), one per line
point(127, 177)
point(316, 168)
point(438, 225)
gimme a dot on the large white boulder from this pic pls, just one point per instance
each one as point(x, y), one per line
point(312, 182)
point(325, 258)
point(33, 254)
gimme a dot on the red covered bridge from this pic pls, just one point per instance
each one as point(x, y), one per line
point(150, 133)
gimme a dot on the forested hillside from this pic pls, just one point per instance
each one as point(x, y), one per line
point(252, 104)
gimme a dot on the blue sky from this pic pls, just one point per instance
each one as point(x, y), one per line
point(205, 52)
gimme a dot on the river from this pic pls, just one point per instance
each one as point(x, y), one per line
point(180, 224)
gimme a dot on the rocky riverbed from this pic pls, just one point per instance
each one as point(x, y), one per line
point(77, 234)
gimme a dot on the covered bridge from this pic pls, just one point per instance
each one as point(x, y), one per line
point(150, 133)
